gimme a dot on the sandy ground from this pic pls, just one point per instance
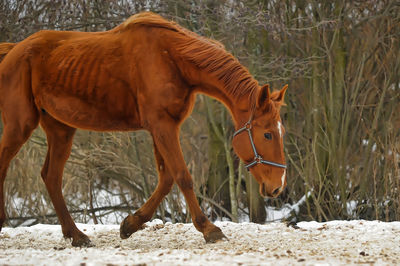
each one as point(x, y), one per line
point(332, 243)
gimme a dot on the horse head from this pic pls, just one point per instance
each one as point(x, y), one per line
point(259, 142)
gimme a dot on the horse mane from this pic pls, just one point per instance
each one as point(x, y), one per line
point(214, 59)
point(147, 19)
point(206, 54)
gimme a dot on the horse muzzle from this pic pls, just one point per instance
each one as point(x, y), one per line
point(267, 192)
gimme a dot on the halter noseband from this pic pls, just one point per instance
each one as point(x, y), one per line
point(257, 158)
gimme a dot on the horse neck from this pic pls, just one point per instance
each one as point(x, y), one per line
point(212, 70)
point(240, 106)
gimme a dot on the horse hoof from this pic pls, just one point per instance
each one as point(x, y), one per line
point(215, 236)
point(129, 225)
point(124, 231)
point(82, 242)
point(1, 223)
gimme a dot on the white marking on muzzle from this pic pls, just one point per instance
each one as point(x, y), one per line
point(283, 178)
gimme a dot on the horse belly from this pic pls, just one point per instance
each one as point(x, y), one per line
point(110, 114)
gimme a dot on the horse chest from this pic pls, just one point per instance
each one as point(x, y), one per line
point(180, 102)
point(180, 110)
point(172, 100)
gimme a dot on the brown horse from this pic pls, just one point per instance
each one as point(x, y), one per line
point(143, 74)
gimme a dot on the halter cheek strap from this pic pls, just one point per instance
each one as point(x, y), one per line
point(257, 158)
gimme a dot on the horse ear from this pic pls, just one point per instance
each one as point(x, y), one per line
point(281, 95)
point(263, 97)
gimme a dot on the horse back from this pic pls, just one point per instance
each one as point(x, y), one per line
point(104, 81)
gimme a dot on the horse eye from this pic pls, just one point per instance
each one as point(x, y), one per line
point(267, 135)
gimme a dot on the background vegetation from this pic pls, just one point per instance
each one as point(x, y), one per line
point(341, 60)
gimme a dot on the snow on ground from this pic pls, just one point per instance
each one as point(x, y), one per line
point(311, 243)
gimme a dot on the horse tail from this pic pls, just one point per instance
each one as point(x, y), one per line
point(5, 47)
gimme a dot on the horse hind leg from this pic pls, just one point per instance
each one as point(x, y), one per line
point(18, 125)
point(59, 140)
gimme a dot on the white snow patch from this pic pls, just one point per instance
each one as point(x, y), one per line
point(351, 207)
point(312, 243)
point(277, 215)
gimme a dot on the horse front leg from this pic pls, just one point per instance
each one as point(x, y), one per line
point(167, 141)
point(132, 223)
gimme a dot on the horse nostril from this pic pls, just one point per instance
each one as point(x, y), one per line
point(276, 191)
